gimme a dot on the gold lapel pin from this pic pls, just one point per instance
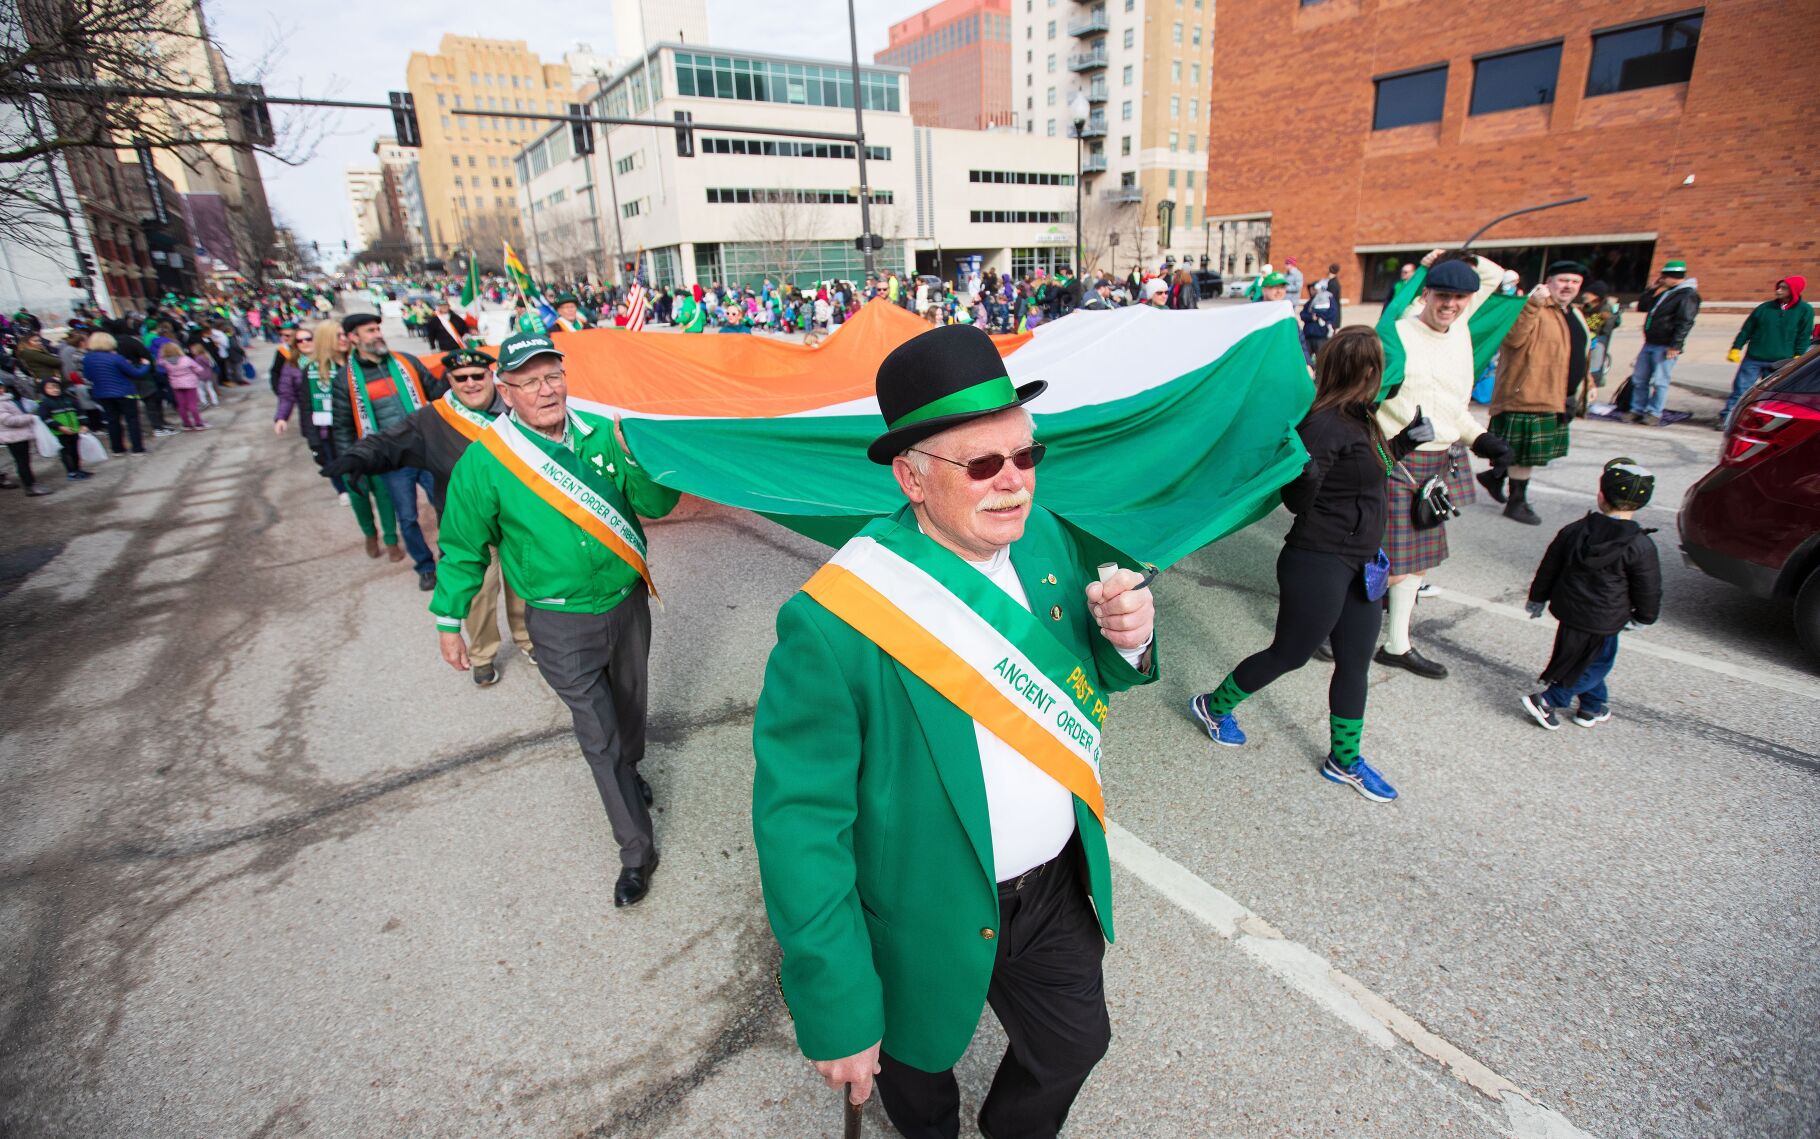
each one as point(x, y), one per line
point(1055, 612)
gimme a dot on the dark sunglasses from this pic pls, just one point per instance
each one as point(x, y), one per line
point(987, 466)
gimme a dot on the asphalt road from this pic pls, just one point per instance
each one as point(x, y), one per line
point(267, 867)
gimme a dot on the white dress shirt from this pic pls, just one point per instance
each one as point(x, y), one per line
point(1032, 816)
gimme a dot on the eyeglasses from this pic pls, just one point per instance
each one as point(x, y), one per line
point(552, 381)
point(306, 338)
point(462, 377)
point(986, 466)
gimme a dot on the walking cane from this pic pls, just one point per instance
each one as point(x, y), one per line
point(851, 1116)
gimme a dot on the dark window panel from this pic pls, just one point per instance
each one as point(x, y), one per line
point(1403, 100)
point(1515, 79)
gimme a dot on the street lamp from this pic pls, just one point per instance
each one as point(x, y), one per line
point(1078, 110)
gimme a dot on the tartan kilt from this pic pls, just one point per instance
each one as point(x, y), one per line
point(1412, 550)
point(1535, 437)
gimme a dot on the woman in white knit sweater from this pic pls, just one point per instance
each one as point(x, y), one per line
point(1437, 381)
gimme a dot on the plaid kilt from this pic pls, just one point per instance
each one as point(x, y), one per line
point(1412, 550)
point(1535, 437)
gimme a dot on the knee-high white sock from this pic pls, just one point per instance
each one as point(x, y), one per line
point(1402, 608)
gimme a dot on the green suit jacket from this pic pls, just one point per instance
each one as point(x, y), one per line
point(869, 817)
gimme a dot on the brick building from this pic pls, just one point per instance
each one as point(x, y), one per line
point(959, 56)
point(1395, 126)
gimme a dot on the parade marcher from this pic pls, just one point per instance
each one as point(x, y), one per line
point(1332, 572)
point(569, 317)
point(1776, 330)
point(1670, 305)
point(379, 387)
point(1436, 348)
point(691, 314)
point(448, 330)
point(927, 808)
point(1541, 365)
point(557, 493)
point(434, 439)
point(324, 370)
point(1600, 575)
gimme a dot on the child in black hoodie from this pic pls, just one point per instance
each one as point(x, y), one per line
point(1599, 575)
point(63, 416)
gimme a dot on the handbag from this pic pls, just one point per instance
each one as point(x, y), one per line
point(1377, 576)
point(1433, 504)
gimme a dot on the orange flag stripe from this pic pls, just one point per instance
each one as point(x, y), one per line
point(565, 505)
point(459, 422)
point(850, 598)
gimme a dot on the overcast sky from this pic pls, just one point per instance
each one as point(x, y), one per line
point(357, 51)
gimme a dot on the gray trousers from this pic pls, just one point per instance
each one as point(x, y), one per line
point(597, 663)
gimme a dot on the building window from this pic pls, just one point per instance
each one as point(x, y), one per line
point(1175, 106)
point(1172, 179)
point(1051, 99)
point(1191, 179)
point(743, 196)
point(496, 181)
point(473, 161)
point(458, 182)
point(1050, 34)
point(1524, 78)
point(1191, 146)
point(1643, 55)
point(1174, 142)
point(1194, 74)
point(1051, 130)
point(631, 209)
point(1194, 111)
point(1413, 97)
point(1125, 109)
point(1130, 37)
point(1040, 217)
point(1127, 76)
point(1051, 65)
point(1019, 178)
point(454, 160)
point(1197, 35)
point(1125, 146)
point(1175, 35)
point(1175, 71)
point(714, 76)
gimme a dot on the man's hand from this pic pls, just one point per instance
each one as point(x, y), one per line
point(1429, 259)
point(619, 435)
point(278, 426)
point(857, 1070)
point(454, 650)
point(339, 466)
point(1127, 615)
point(1541, 293)
point(1535, 608)
point(1672, 353)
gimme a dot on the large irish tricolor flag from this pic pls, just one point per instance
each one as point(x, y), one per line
point(1166, 430)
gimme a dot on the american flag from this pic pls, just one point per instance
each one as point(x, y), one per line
point(635, 308)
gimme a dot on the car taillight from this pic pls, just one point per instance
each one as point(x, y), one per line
point(1766, 426)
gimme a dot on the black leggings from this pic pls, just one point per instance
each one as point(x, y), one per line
point(1319, 595)
point(22, 461)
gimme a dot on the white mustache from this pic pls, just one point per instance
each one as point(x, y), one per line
point(1005, 500)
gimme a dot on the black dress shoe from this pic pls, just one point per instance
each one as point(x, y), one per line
point(1413, 661)
point(634, 884)
point(426, 580)
point(1493, 485)
point(644, 791)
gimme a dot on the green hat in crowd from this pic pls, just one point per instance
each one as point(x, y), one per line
point(1675, 268)
point(1271, 280)
point(521, 348)
point(567, 299)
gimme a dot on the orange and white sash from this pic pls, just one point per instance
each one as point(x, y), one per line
point(533, 464)
point(974, 645)
point(461, 417)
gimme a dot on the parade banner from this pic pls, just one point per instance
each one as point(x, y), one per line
point(1166, 429)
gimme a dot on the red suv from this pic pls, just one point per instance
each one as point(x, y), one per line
point(1754, 520)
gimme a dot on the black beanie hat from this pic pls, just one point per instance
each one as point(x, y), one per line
point(1625, 485)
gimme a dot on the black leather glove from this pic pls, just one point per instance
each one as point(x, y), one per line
point(1492, 449)
point(338, 467)
point(1417, 431)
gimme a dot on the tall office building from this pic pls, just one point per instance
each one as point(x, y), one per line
point(365, 185)
point(1145, 69)
point(465, 164)
point(959, 56)
point(400, 221)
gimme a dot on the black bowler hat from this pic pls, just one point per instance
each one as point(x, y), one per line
point(938, 380)
point(358, 320)
point(1577, 268)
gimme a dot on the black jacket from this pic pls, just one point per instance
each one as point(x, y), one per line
point(1599, 573)
point(1340, 498)
point(1669, 315)
point(422, 439)
point(341, 403)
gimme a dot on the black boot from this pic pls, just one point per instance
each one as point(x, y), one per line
point(1518, 509)
point(1493, 482)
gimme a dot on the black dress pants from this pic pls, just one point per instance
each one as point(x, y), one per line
point(1047, 992)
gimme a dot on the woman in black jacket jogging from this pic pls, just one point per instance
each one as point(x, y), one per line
point(1340, 502)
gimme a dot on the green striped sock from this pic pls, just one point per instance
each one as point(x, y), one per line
point(1226, 697)
point(1345, 735)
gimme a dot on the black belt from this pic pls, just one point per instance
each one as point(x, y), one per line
point(1034, 874)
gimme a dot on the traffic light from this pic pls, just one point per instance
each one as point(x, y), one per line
point(255, 115)
point(685, 134)
point(85, 264)
point(868, 241)
point(581, 133)
point(404, 118)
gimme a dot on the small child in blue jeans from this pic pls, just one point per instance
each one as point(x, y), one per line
point(1599, 575)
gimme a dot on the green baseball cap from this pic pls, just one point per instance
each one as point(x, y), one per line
point(1272, 280)
point(1678, 268)
point(521, 348)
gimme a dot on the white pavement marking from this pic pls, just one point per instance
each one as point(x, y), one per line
point(1312, 975)
point(1634, 643)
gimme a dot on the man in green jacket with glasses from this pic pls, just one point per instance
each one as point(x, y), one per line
point(558, 493)
point(927, 807)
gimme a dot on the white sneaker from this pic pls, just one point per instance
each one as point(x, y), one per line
point(344, 498)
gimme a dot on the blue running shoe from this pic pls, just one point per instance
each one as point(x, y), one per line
point(1224, 730)
point(1361, 777)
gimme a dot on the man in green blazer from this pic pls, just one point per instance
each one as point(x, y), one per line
point(927, 808)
